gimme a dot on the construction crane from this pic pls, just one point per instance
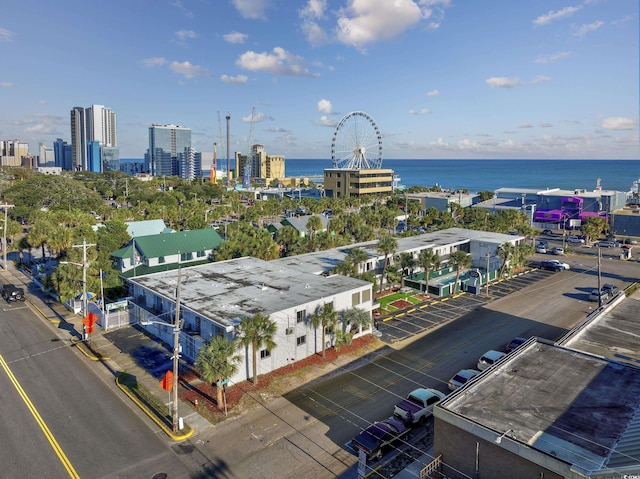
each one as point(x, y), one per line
point(246, 178)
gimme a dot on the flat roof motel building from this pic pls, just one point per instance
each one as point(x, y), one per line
point(215, 297)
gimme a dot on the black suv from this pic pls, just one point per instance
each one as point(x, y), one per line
point(6, 288)
point(14, 294)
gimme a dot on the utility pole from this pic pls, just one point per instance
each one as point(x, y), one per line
point(176, 357)
point(5, 207)
point(599, 279)
point(85, 266)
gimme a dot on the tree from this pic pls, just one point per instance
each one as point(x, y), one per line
point(314, 224)
point(257, 331)
point(428, 259)
point(217, 362)
point(355, 319)
point(355, 257)
point(460, 260)
point(326, 318)
point(504, 252)
point(407, 263)
point(344, 268)
point(387, 246)
point(592, 227)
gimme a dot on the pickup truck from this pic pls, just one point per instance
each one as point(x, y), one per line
point(418, 406)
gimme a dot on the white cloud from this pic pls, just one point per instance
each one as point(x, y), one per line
point(252, 9)
point(235, 37)
point(324, 106)
point(280, 62)
point(619, 123)
point(255, 118)
point(326, 121)
point(525, 125)
point(540, 79)
point(366, 21)
point(503, 82)
point(552, 58)
point(310, 14)
point(6, 35)
point(423, 111)
point(590, 27)
point(6, 84)
point(545, 125)
point(180, 6)
point(42, 129)
point(187, 70)
point(184, 35)
point(551, 15)
point(238, 79)
point(155, 61)
point(433, 93)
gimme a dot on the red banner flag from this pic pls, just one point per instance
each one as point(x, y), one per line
point(167, 381)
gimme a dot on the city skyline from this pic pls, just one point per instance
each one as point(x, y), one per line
point(441, 79)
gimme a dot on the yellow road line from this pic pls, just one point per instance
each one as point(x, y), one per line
point(47, 433)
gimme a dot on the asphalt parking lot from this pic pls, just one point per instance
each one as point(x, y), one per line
point(418, 319)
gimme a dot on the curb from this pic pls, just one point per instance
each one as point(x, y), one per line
point(153, 416)
point(87, 350)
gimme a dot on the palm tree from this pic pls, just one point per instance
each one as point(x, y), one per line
point(355, 319)
point(428, 259)
point(407, 264)
point(460, 260)
point(356, 256)
point(388, 246)
point(326, 318)
point(217, 362)
point(257, 331)
point(504, 252)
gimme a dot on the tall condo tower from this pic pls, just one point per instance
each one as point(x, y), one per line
point(166, 142)
point(94, 124)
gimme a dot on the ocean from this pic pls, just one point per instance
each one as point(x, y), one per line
point(482, 175)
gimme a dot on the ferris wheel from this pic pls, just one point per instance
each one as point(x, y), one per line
point(357, 143)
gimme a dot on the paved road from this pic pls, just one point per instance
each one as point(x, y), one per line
point(61, 415)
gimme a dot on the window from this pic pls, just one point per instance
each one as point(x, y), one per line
point(161, 259)
point(301, 316)
point(355, 299)
point(186, 256)
point(198, 322)
point(300, 340)
point(265, 353)
point(366, 295)
point(200, 254)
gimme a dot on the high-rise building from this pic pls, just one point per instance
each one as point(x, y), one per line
point(94, 124)
point(63, 153)
point(166, 142)
point(260, 166)
point(190, 164)
point(45, 155)
point(14, 153)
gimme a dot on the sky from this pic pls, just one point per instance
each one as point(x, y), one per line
point(439, 78)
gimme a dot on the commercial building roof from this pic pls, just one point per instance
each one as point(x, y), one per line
point(613, 334)
point(230, 290)
point(321, 261)
point(582, 409)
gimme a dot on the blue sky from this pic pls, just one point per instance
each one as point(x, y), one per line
point(440, 78)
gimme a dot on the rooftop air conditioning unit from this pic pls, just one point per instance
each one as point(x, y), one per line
point(289, 331)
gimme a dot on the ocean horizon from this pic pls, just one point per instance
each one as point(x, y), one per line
point(482, 175)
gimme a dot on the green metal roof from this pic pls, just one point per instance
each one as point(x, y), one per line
point(154, 246)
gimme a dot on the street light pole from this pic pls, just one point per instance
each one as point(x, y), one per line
point(5, 207)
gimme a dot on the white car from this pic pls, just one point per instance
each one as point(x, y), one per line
point(557, 250)
point(560, 264)
point(541, 249)
point(488, 359)
point(575, 239)
point(461, 378)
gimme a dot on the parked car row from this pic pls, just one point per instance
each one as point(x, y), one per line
point(554, 265)
point(417, 407)
point(607, 291)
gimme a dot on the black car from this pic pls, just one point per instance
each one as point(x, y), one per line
point(550, 265)
point(6, 288)
point(547, 233)
point(13, 294)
